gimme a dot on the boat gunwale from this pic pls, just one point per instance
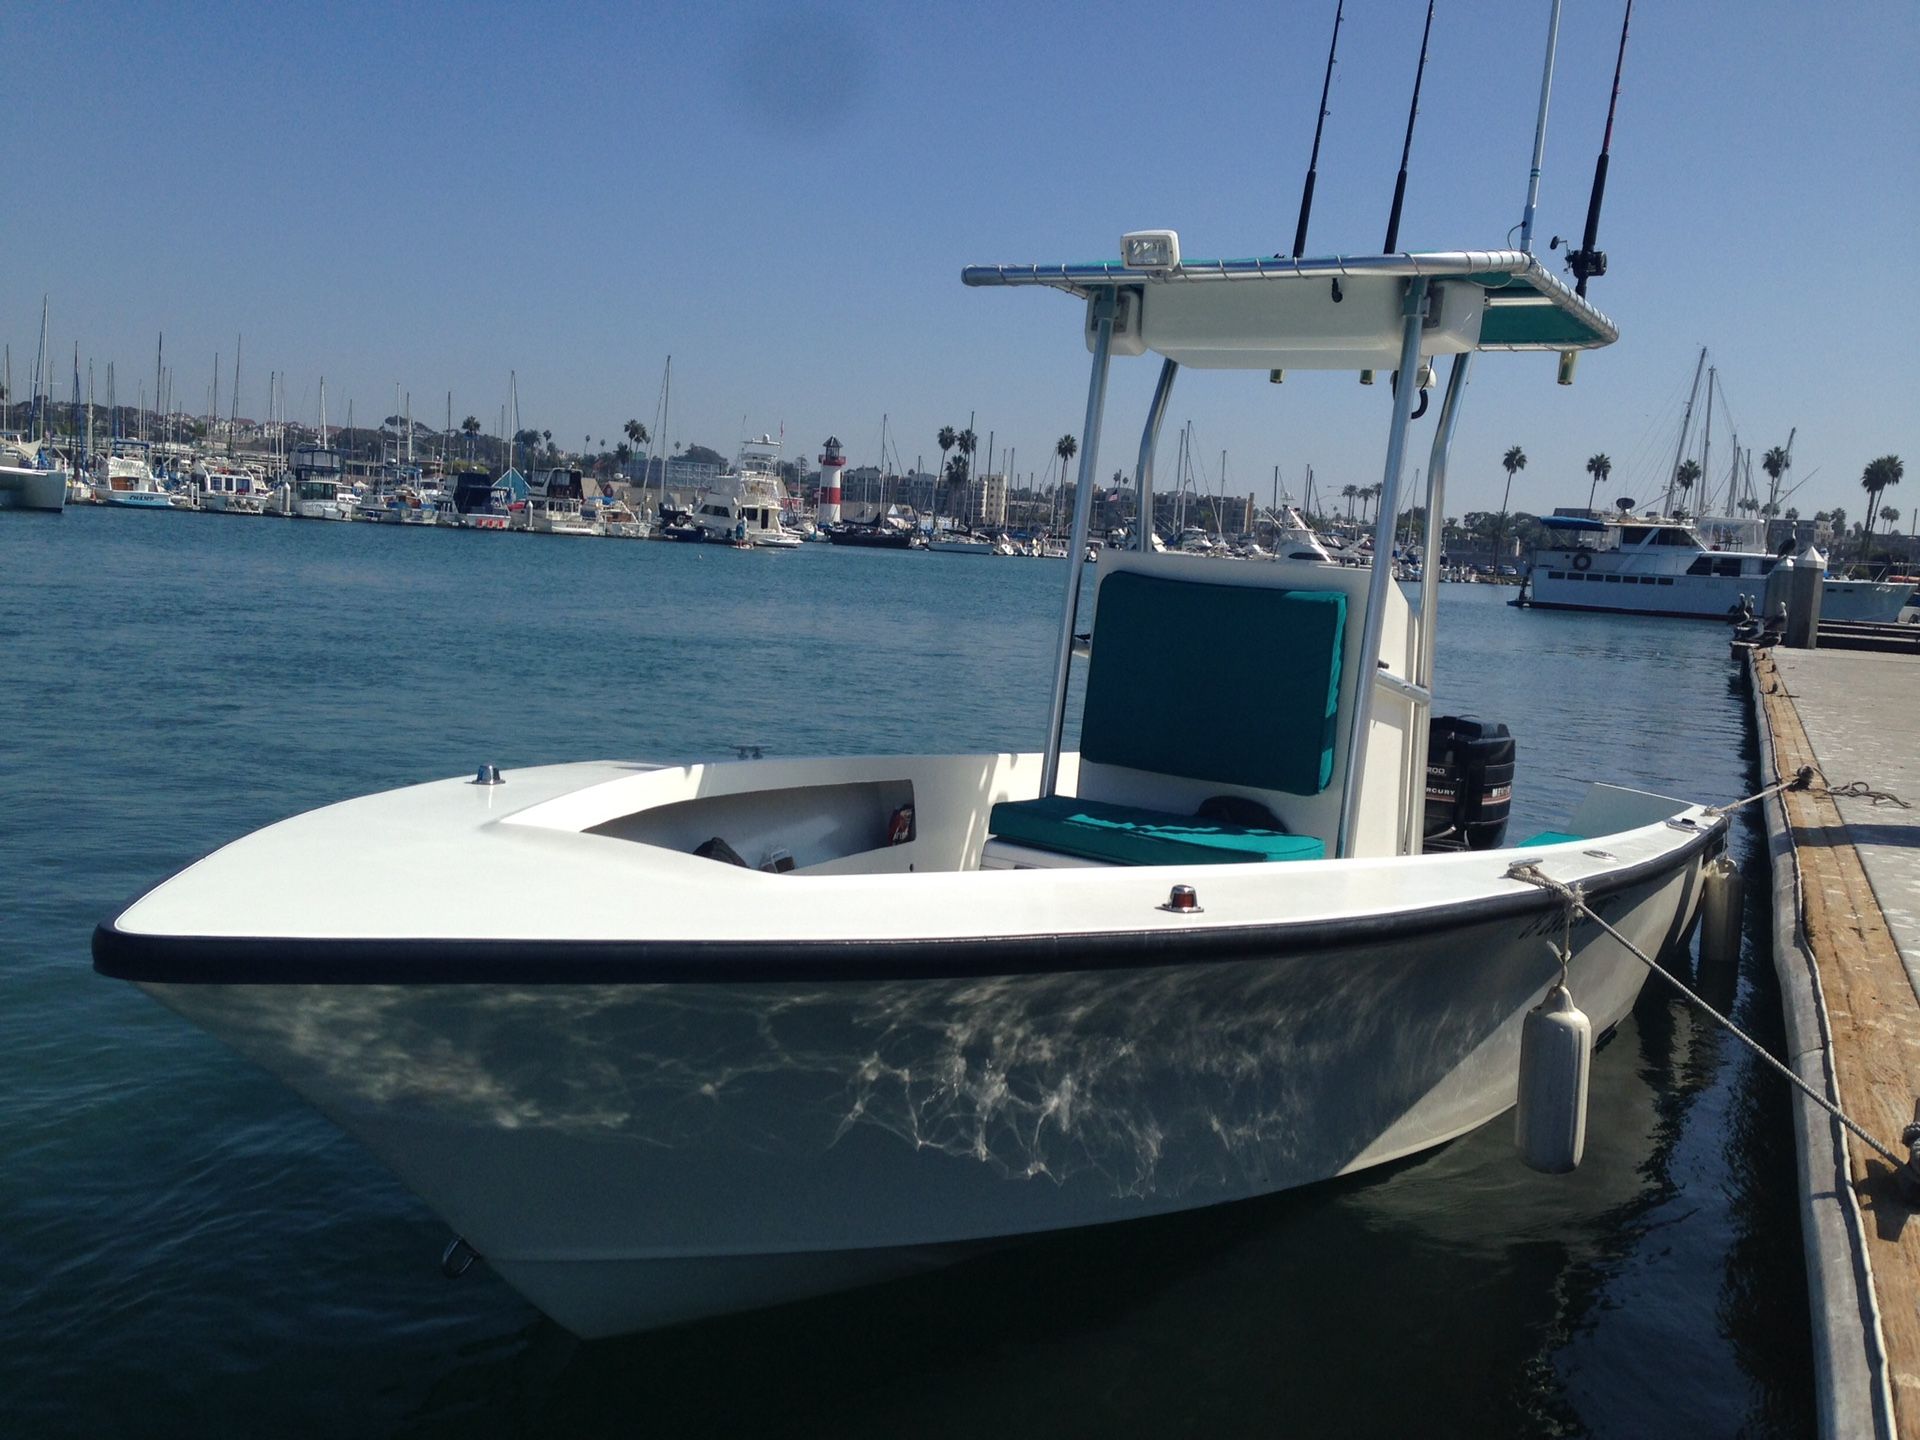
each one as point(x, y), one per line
point(162, 959)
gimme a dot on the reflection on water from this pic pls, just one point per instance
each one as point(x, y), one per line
point(186, 1249)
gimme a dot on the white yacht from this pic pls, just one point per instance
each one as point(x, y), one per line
point(30, 478)
point(748, 503)
point(1655, 565)
point(619, 522)
point(317, 488)
point(554, 503)
point(1295, 539)
point(726, 1035)
point(478, 502)
point(125, 476)
point(231, 490)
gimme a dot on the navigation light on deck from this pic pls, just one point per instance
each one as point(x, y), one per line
point(1150, 250)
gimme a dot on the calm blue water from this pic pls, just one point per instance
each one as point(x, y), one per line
point(186, 1249)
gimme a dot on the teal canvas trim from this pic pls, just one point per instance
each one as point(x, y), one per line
point(1128, 835)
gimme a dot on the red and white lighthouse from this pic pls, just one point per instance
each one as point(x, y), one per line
point(832, 461)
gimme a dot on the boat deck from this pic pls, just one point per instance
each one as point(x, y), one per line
point(1848, 952)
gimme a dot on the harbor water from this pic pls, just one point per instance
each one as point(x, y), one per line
point(187, 1249)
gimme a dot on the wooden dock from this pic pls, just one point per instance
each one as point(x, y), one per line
point(1847, 949)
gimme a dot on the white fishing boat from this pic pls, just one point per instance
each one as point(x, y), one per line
point(748, 503)
point(30, 478)
point(125, 476)
point(1295, 539)
point(944, 1001)
point(1657, 565)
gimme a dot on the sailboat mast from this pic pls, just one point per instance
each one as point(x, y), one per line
point(1706, 439)
point(1686, 425)
point(666, 402)
point(40, 380)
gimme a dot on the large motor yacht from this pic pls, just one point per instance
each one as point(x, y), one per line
point(1659, 565)
point(748, 503)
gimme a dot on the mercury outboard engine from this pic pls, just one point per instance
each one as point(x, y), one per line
point(1469, 783)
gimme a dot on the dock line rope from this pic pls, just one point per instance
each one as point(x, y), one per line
point(1803, 779)
point(1906, 1171)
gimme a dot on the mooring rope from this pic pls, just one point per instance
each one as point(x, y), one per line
point(1803, 779)
point(1860, 790)
point(1576, 903)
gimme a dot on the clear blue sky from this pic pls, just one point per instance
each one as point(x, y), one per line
point(782, 197)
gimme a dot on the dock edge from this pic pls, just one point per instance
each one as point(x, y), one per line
point(1853, 1393)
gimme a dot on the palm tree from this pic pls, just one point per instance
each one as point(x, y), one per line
point(1349, 493)
point(1686, 477)
point(636, 434)
point(1879, 474)
point(470, 427)
point(1514, 461)
point(945, 440)
point(1599, 467)
point(1776, 462)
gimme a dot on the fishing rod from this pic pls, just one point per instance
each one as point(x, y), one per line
point(1586, 262)
point(1589, 261)
point(1406, 152)
point(1406, 147)
point(1313, 161)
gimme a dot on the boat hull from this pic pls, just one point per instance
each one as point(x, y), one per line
point(32, 489)
point(1559, 585)
point(871, 538)
point(141, 499)
point(631, 1155)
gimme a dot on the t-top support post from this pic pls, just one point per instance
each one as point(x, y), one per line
point(1366, 662)
point(1104, 306)
point(1150, 442)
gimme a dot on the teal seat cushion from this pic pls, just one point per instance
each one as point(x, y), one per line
point(1234, 684)
point(1127, 835)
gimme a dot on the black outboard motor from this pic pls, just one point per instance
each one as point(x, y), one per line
point(1469, 783)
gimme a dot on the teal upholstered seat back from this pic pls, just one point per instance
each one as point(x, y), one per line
point(1232, 684)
